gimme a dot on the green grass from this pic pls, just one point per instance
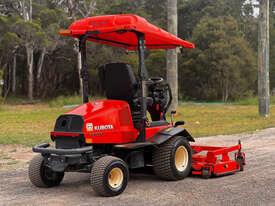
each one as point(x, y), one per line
point(27, 124)
point(214, 119)
point(252, 101)
point(31, 124)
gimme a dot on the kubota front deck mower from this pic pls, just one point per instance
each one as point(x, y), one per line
point(108, 137)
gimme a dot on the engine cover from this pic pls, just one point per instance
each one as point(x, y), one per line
point(104, 121)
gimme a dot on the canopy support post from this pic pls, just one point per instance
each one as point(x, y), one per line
point(143, 76)
point(84, 69)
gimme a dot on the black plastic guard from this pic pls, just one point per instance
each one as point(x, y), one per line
point(44, 149)
point(166, 134)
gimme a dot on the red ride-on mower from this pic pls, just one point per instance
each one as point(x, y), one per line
point(108, 137)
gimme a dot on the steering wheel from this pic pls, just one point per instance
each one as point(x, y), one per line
point(156, 80)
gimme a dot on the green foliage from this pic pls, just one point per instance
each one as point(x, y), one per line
point(156, 64)
point(29, 31)
point(47, 17)
point(8, 42)
point(223, 65)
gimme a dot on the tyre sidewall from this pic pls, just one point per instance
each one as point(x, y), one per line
point(181, 142)
point(119, 164)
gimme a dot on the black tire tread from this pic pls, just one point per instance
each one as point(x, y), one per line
point(35, 171)
point(97, 174)
point(162, 159)
point(35, 174)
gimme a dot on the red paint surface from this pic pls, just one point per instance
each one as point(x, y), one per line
point(216, 159)
point(117, 30)
point(110, 112)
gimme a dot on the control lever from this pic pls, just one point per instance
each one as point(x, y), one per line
point(173, 112)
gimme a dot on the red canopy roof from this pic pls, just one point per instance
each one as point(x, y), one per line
point(117, 30)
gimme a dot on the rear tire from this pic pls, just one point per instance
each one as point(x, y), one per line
point(172, 160)
point(109, 176)
point(42, 176)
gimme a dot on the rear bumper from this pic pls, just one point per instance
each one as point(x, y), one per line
point(44, 149)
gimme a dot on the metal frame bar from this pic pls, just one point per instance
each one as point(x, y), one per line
point(43, 149)
point(142, 72)
point(143, 76)
point(84, 69)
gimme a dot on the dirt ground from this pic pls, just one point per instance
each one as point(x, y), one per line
point(254, 186)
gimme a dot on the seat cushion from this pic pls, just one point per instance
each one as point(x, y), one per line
point(118, 81)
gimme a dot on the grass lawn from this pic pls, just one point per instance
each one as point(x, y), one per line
point(31, 124)
point(214, 119)
point(27, 124)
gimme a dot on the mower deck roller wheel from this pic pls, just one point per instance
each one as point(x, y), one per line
point(240, 161)
point(172, 160)
point(206, 173)
point(42, 176)
point(109, 176)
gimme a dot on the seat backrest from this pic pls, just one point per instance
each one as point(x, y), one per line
point(118, 81)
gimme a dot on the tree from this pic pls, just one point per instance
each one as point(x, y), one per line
point(23, 8)
point(51, 21)
point(55, 68)
point(31, 36)
point(171, 55)
point(8, 50)
point(9, 46)
point(223, 65)
point(75, 9)
point(191, 12)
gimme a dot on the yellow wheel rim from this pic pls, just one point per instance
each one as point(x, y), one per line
point(115, 178)
point(181, 158)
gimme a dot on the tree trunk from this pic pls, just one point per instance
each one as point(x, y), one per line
point(13, 87)
point(225, 90)
point(6, 80)
point(40, 64)
point(39, 72)
point(27, 16)
point(76, 48)
point(29, 51)
point(171, 55)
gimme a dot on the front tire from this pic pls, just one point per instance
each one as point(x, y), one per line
point(42, 176)
point(172, 160)
point(109, 176)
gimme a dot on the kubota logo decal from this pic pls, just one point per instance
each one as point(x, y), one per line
point(90, 127)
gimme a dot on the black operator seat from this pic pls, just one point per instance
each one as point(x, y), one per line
point(118, 81)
